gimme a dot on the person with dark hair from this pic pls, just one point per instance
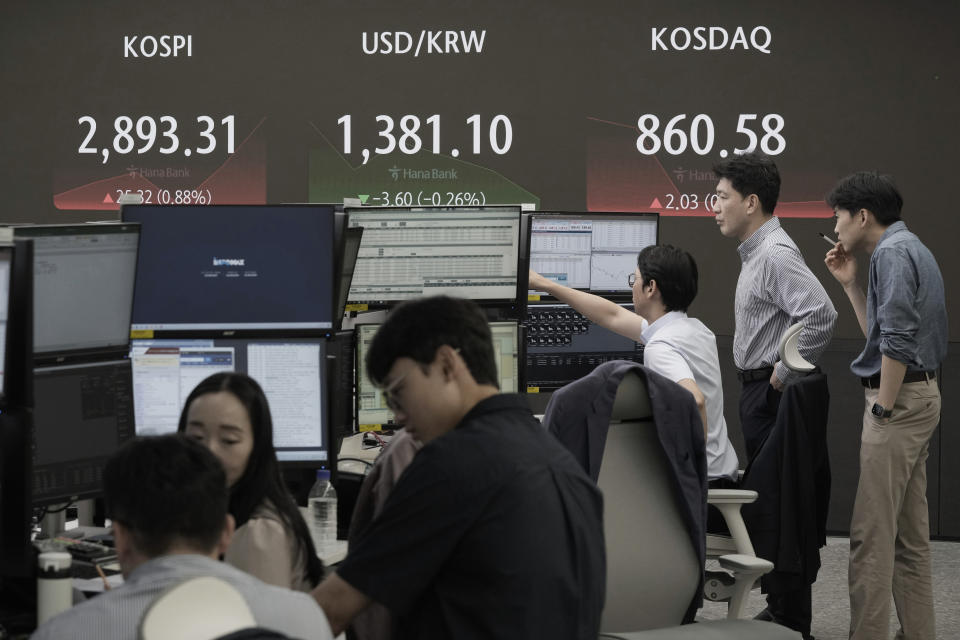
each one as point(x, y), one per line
point(676, 346)
point(775, 289)
point(493, 530)
point(167, 499)
point(903, 317)
point(228, 413)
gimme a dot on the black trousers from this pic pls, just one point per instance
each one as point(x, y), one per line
point(759, 403)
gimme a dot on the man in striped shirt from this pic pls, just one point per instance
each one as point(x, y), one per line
point(775, 290)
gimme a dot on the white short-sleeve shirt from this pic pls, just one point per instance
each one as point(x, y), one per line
point(677, 346)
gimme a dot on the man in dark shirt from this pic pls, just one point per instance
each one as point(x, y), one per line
point(493, 531)
point(903, 317)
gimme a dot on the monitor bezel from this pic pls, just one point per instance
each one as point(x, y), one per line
point(616, 295)
point(145, 332)
point(512, 305)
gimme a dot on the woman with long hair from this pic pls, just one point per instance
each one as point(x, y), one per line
point(229, 414)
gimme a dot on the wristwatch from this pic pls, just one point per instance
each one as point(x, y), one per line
point(879, 411)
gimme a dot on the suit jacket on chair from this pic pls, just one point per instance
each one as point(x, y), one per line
point(791, 473)
point(579, 416)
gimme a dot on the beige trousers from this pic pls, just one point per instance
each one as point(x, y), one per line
point(890, 527)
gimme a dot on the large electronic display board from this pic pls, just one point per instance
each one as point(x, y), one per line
point(601, 106)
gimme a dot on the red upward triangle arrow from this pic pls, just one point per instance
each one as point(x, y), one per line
point(107, 199)
point(653, 205)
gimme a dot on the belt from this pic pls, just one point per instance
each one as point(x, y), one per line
point(752, 375)
point(873, 382)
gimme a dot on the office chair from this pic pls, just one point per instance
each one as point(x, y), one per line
point(729, 501)
point(204, 608)
point(653, 570)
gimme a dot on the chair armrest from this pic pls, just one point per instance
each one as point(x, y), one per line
point(738, 562)
point(731, 496)
point(746, 571)
point(729, 502)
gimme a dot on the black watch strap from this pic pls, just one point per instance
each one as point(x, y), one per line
point(880, 412)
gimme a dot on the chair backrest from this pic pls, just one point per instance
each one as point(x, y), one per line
point(789, 354)
point(652, 569)
point(196, 609)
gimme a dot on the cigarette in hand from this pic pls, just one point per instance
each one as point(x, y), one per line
point(827, 239)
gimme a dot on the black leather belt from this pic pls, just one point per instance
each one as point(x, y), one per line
point(752, 375)
point(873, 382)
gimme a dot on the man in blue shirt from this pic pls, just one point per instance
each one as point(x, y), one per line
point(904, 319)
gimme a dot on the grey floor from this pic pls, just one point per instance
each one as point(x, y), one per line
point(831, 602)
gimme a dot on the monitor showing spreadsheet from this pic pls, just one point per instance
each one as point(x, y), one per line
point(292, 373)
point(83, 285)
point(468, 252)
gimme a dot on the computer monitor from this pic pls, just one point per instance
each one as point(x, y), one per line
point(346, 264)
point(590, 251)
point(372, 411)
point(292, 372)
point(16, 425)
point(83, 413)
point(229, 268)
point(564, 345)
point(468, 252)
point(83, 287)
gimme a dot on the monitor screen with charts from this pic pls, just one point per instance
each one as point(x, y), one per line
point(233, 267)
point(590, 251)
point(292, 373)
point(372, 411)
point(83, 285)
point(468, 252)
point(82, 414)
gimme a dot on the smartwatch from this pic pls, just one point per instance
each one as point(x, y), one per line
point(879, 411)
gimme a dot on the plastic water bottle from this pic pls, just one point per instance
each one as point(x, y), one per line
point(322, 506)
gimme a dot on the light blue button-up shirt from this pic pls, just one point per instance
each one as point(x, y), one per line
point(906, 308)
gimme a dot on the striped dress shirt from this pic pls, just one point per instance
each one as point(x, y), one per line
point(775, 290)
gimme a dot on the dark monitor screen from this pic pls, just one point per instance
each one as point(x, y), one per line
point(590, 251)
point(564, 345)
point(292, 373)
point(468, 252)
point(372, 411)
point(226, 267)
point(83, 285)
point(82, 414)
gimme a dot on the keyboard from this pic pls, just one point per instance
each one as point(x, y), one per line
point(83, 550)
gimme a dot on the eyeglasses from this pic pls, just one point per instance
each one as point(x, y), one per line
point(390, 393)
point(631, 279)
